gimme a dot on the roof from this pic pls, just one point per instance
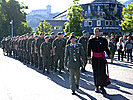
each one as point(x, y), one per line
point(106, 1)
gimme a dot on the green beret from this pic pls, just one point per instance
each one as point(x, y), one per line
point(59, 33)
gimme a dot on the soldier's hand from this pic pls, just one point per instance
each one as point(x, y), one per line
point(65, 67)
point(90, 61)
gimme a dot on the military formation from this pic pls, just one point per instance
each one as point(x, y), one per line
point(56, 52)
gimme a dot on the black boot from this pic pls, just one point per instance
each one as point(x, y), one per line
point(73, 93)
point(103, 90)
point(77, 86)
point(97, 89)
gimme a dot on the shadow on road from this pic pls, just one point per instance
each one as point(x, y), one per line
point(87, 82)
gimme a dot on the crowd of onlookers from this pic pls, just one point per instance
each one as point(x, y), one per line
point(122, 44)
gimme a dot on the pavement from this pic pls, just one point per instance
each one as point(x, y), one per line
point(23, 82)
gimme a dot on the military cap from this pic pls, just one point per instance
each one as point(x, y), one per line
point(46, 37)
point(65, 35)
point(59, 33)
point(71, 37)
point(35, 36)
point(45, 34)
point(41, 33)
point(84, 31)
point(52, 33)
point(72, 34)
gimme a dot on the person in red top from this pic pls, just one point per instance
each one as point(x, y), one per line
point(98, 45)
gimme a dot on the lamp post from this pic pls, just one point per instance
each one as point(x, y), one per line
point(11, 27)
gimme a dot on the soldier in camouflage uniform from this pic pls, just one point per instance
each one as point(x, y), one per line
point(74, 58)
point(52, 38)
point(84, 41)
point(38, 43)
point(58, 46)
point(3, 44)
point(34, 51)
point(46, 54)
point(28, 47)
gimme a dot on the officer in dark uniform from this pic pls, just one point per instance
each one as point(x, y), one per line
point(74, 58)
point(45, 52)
point(84, 41)
point(58, 46)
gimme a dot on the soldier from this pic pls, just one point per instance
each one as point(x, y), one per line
point(37, 46)
point(28, 46)
point(68, 40)
point(73, 55)
point(3, 43)
point(84, 41)
point(52, 38)
point(34, 51)
point(98, 45)
point(45, 52)
point(58, 46)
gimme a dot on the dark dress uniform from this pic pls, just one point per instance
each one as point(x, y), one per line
point(84, 42)
point(58, 45)
point(46, 55)
point(74, 58)
point(98, 45)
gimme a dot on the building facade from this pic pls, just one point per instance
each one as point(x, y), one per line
point(105, 14)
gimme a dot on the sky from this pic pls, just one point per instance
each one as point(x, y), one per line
point(57, 5)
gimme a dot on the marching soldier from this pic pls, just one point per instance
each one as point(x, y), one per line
point(58, 46)
point(84, 41)
point(28, 46)
point(73, 55)
point(37, 46)
point(34, 51)
point(3, 43)
point(45, 52)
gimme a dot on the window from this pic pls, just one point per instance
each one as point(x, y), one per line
point(111, 23)
point(98, 22)
point(106, 23)
point(85, 23)
point(117, 23)
point(90, 23)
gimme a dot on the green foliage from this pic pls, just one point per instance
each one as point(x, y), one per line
point(127, 22)
point(75, 19)
point(44, 27)
point(13, 10)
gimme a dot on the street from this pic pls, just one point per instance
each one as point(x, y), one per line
point(23, 82)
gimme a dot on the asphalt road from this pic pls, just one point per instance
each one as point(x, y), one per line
point(23, 82)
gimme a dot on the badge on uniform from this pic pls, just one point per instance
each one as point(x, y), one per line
point(74, 58)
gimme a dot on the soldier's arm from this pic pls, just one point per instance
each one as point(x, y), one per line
point(41, 49)
point(66, 56)
point(82, 53)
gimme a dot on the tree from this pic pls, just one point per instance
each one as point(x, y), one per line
point(44, 27)
point(127, 22)
point(75, 19)
point(13, 10)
